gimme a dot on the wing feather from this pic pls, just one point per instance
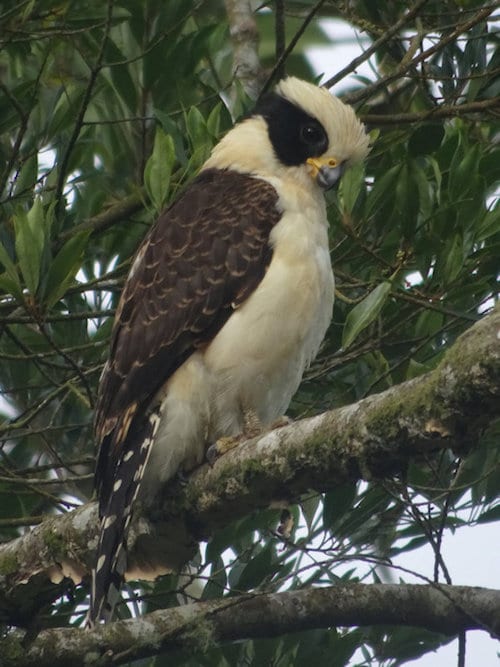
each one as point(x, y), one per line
point(203, 257)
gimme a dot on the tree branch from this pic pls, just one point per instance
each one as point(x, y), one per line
point(82, 110)
point(444, 111)
point(114, 214)
point(400, 70)
point(245, 38)
point(386, 36)
point(196, 627)
point(371, 439)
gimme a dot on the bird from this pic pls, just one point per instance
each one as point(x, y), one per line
point(226, 303)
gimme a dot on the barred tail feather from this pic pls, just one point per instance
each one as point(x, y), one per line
point(111, 558)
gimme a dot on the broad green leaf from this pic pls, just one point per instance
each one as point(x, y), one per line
point(217, 581)
point(27, 177)
point(10, 268)
point(309, 507)
point(30, 241)
point(337, 503)
point(64, 268)
point(406, 199)
point(452, 259)
point(490, 225)
point(415, 369)
point(351, 185)
point(384, 185)
point(490, 515)
point(371, 504)
point(257, 569)
point(10, 286)
point(199, 137)
point(63, 114)
point(462, 171)
point(159, 169)
point(196, 127)
point(364, 313)
point(426, 139)
point(213, 121)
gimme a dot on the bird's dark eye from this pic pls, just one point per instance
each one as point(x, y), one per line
point(312, 134)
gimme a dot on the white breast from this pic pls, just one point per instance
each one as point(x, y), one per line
point(257, 359)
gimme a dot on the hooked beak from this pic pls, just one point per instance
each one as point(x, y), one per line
point(325, 170)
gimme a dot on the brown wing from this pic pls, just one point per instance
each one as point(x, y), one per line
point(206, 253)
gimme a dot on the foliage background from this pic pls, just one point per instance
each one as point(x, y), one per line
point(106, 111)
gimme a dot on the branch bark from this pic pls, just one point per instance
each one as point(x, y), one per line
point(245, 38)
point(446, 111)
point(371, 439)
point(402, 69)
point(198, 626)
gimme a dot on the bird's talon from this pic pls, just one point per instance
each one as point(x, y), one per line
point(181, 477)
point(212, 455)
point(221, 446)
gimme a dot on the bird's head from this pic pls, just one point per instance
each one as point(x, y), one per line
point(299, 127)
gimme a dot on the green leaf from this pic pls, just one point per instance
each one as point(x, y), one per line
point(213, 121)
point(27, 177)
point(199, 137)
point(383, 188)
point(338, 502)
point(351, 185)
point(492, 514)
point(258, 569)
point(462, 171)
point(415, 369)
point(10, 286)
point(10, 269)
point(217, 582)
point(425, 139)
point(64, 268)
point(159, 169)
point(452, 260)
point(309, 507)
point(364, 313)
point(30, 242)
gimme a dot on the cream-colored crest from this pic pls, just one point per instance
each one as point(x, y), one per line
point(247, 147)
point(347, 138)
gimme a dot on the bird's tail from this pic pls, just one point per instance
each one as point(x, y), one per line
point(111, 558)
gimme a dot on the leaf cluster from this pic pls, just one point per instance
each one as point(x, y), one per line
point(106, 111)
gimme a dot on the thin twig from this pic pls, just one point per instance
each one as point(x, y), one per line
point(280, 36)
point(245, 39)
point(403, 67)
point(445, 111)
point(83, 108)
point(390, 32)
point(293, 42)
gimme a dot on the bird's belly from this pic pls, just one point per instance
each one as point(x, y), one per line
point(257, 360)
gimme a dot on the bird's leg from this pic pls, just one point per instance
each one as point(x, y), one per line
point(252, 427)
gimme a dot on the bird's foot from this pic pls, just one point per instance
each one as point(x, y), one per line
point(252, 428)
point(181, 477)
point(223, 445)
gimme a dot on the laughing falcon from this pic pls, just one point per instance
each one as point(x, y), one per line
point(226, 304)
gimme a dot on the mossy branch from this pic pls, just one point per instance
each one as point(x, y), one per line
point(372, 439)
point(447, 610)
